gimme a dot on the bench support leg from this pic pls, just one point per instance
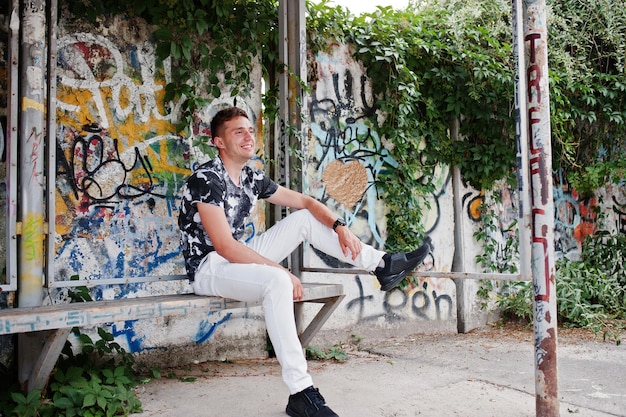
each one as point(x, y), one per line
point(330, 304)
point(38, 352)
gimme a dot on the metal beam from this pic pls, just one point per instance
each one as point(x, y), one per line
point(51, 127)
point(11, 148)
point(424, 274)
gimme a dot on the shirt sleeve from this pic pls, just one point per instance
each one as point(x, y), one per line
point(207, 187)
point(268, 188)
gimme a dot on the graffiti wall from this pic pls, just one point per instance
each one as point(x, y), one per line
point(119, 169)
point(120, 165)
point(345, 154)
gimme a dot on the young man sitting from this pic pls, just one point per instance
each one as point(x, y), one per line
point(216, 200)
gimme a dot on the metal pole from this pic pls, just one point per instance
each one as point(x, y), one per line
point(542, 208)
point(297, 103)
point(51, 140)
point(31, 168)
point(282, 139)
point(463, 302)
point(32, 134)
point(521, 121)
point(292, 54)
point(11, 147)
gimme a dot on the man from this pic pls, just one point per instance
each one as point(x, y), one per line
point(216, 200)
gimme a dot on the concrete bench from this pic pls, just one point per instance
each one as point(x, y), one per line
point(54, 322)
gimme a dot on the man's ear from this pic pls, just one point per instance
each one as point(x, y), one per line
point(218, 142)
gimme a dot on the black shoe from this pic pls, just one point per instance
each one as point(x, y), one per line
point(308, 403)
point(397, 265)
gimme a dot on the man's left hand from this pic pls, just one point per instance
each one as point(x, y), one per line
point(350, 244)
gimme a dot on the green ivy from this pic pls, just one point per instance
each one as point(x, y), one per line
point(587, 82)
point(97, 382)
point(436, 63)
point(499, 255)
point(587, 180)
point(591, 293)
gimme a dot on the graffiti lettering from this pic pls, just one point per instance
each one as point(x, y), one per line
point(98, 171)
point(538, 168)
point(35, 140)
point(620, 210)
point(93, 63)
point(207, 329)
point(32, 237)
point(397, 303)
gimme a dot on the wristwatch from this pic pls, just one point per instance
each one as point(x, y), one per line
point(338, 222)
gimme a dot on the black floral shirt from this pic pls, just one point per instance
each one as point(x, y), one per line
point(211, 184)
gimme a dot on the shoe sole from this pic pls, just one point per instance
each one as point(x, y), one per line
point(398, 278)
point(293, 413)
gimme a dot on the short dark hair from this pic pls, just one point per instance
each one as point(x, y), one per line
point(224, 116)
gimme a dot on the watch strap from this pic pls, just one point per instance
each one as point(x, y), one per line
point(338, 222)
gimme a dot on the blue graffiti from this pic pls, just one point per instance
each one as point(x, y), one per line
point(128, 331)
point(206, 328)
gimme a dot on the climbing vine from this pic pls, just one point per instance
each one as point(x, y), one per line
point(427, 68)
point(211, 47)
point(432, 65)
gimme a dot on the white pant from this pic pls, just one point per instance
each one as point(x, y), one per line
point(253, 282)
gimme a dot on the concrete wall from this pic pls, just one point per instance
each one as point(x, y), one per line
point(120, 167)
point(119, 173)
point(345, 156)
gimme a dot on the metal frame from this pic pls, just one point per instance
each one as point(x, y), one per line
point(11, 142)
point(427, 274)
point(115, 281)
point(50, 198)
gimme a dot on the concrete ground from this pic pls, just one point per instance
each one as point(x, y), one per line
point(488, 372)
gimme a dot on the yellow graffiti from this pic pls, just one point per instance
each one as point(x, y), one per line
point(29, 103)
point(30, 283)
point(476, 206)
point(32, 237)
point(62, 223)
point(128, 131)
point(159, 162)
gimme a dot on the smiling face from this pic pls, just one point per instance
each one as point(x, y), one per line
point(236, 140)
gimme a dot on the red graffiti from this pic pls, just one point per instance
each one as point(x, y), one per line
point(539, 166)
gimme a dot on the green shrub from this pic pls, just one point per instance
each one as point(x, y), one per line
point(97, 382)
point(587, 297)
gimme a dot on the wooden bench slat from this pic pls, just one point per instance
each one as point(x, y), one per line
point(53, 322)
point(91, 313)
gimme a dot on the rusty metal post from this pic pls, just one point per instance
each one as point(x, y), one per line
point(537, 107)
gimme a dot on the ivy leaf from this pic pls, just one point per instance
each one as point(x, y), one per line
point(175, 51)
point(163, 34)
point(89, 400)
